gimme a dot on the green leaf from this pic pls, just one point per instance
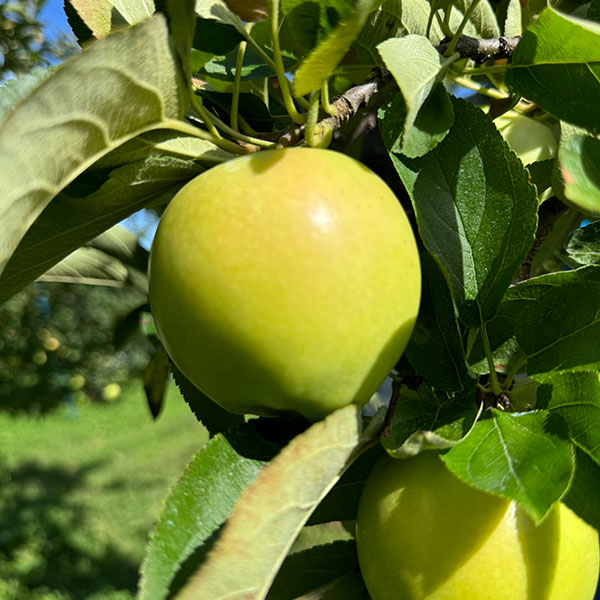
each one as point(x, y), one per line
point(274, 508)
point(104, 16)
point(155, 378)
point(319, 65)
point(201, 501)
point(89, 206)
point(341, 503)
point(575, 397)
point(306, 570)
point(216, 9)
point(522, 456)
point(476, 210)
point(481, 24)
point(584, 245)
point(425, 419)
point(557, 65)
point(593, 11)
point(430, 127)
point(13, 91)
point(579, 157)
point(417, 68)
point(513, 24)
point(215, 418)
point(583, 497)
point(215, 37)
point(348, 587)
point(561, 329)
point(120, 87)
point(436, 348)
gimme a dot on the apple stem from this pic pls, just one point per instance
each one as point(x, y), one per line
point(494, 383)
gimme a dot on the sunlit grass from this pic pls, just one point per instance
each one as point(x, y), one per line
point(79, 494)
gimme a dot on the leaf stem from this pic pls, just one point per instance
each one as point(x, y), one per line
point(237, 80)
point(514, 369)
point(329, 108)
point(221, 142)
point(494, 384)
point(204, 115)
point(311, 120)
point(284, 86)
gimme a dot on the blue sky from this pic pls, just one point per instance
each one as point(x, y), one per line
point(53, 17)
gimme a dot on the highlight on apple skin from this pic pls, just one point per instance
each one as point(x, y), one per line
point(286, 280)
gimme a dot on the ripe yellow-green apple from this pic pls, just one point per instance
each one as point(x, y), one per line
point(424, 534)
point(286, 280)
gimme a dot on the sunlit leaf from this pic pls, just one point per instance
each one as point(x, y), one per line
point(557, 65)
point(273, 510)
point(201, 501)
point(476, 210)
point(584, 245)
point(120, 87)
point(522, 456)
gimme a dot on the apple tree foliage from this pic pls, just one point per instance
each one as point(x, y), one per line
point(482, 115)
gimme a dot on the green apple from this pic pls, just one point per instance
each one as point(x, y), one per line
point(424, 534)
point(286, 280)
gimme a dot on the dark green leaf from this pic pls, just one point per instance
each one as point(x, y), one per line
point(593, 11)
point(575, 397)
point(341, 503)
point(436, 348)
point(215, 37)
point(215, 418)
point(348, 587)
point(201, 501)
point(561, 329)
point(129, 325)
point(557, 65)
point(584, 494)
point(155, 377)
point(476, 210)
point(584, 245)
point(425, 419)
point(89, 206)
point(540, 173)
point(522, 456)
point(304, 571)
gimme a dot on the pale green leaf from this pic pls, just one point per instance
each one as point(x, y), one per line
point(122, 86)
point(104, 16)
point(89, 206)
point(14, 90)
point(201, 501)
point(216, 9)
point(513, 24)
point(557, 65)
point(522, 456)
point(417, 67)
point(273, 510)
point(319, 65)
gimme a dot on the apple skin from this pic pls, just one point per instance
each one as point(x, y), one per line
point(285, 280)
point(424, 534)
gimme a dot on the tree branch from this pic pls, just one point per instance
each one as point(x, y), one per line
point(481, 50)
